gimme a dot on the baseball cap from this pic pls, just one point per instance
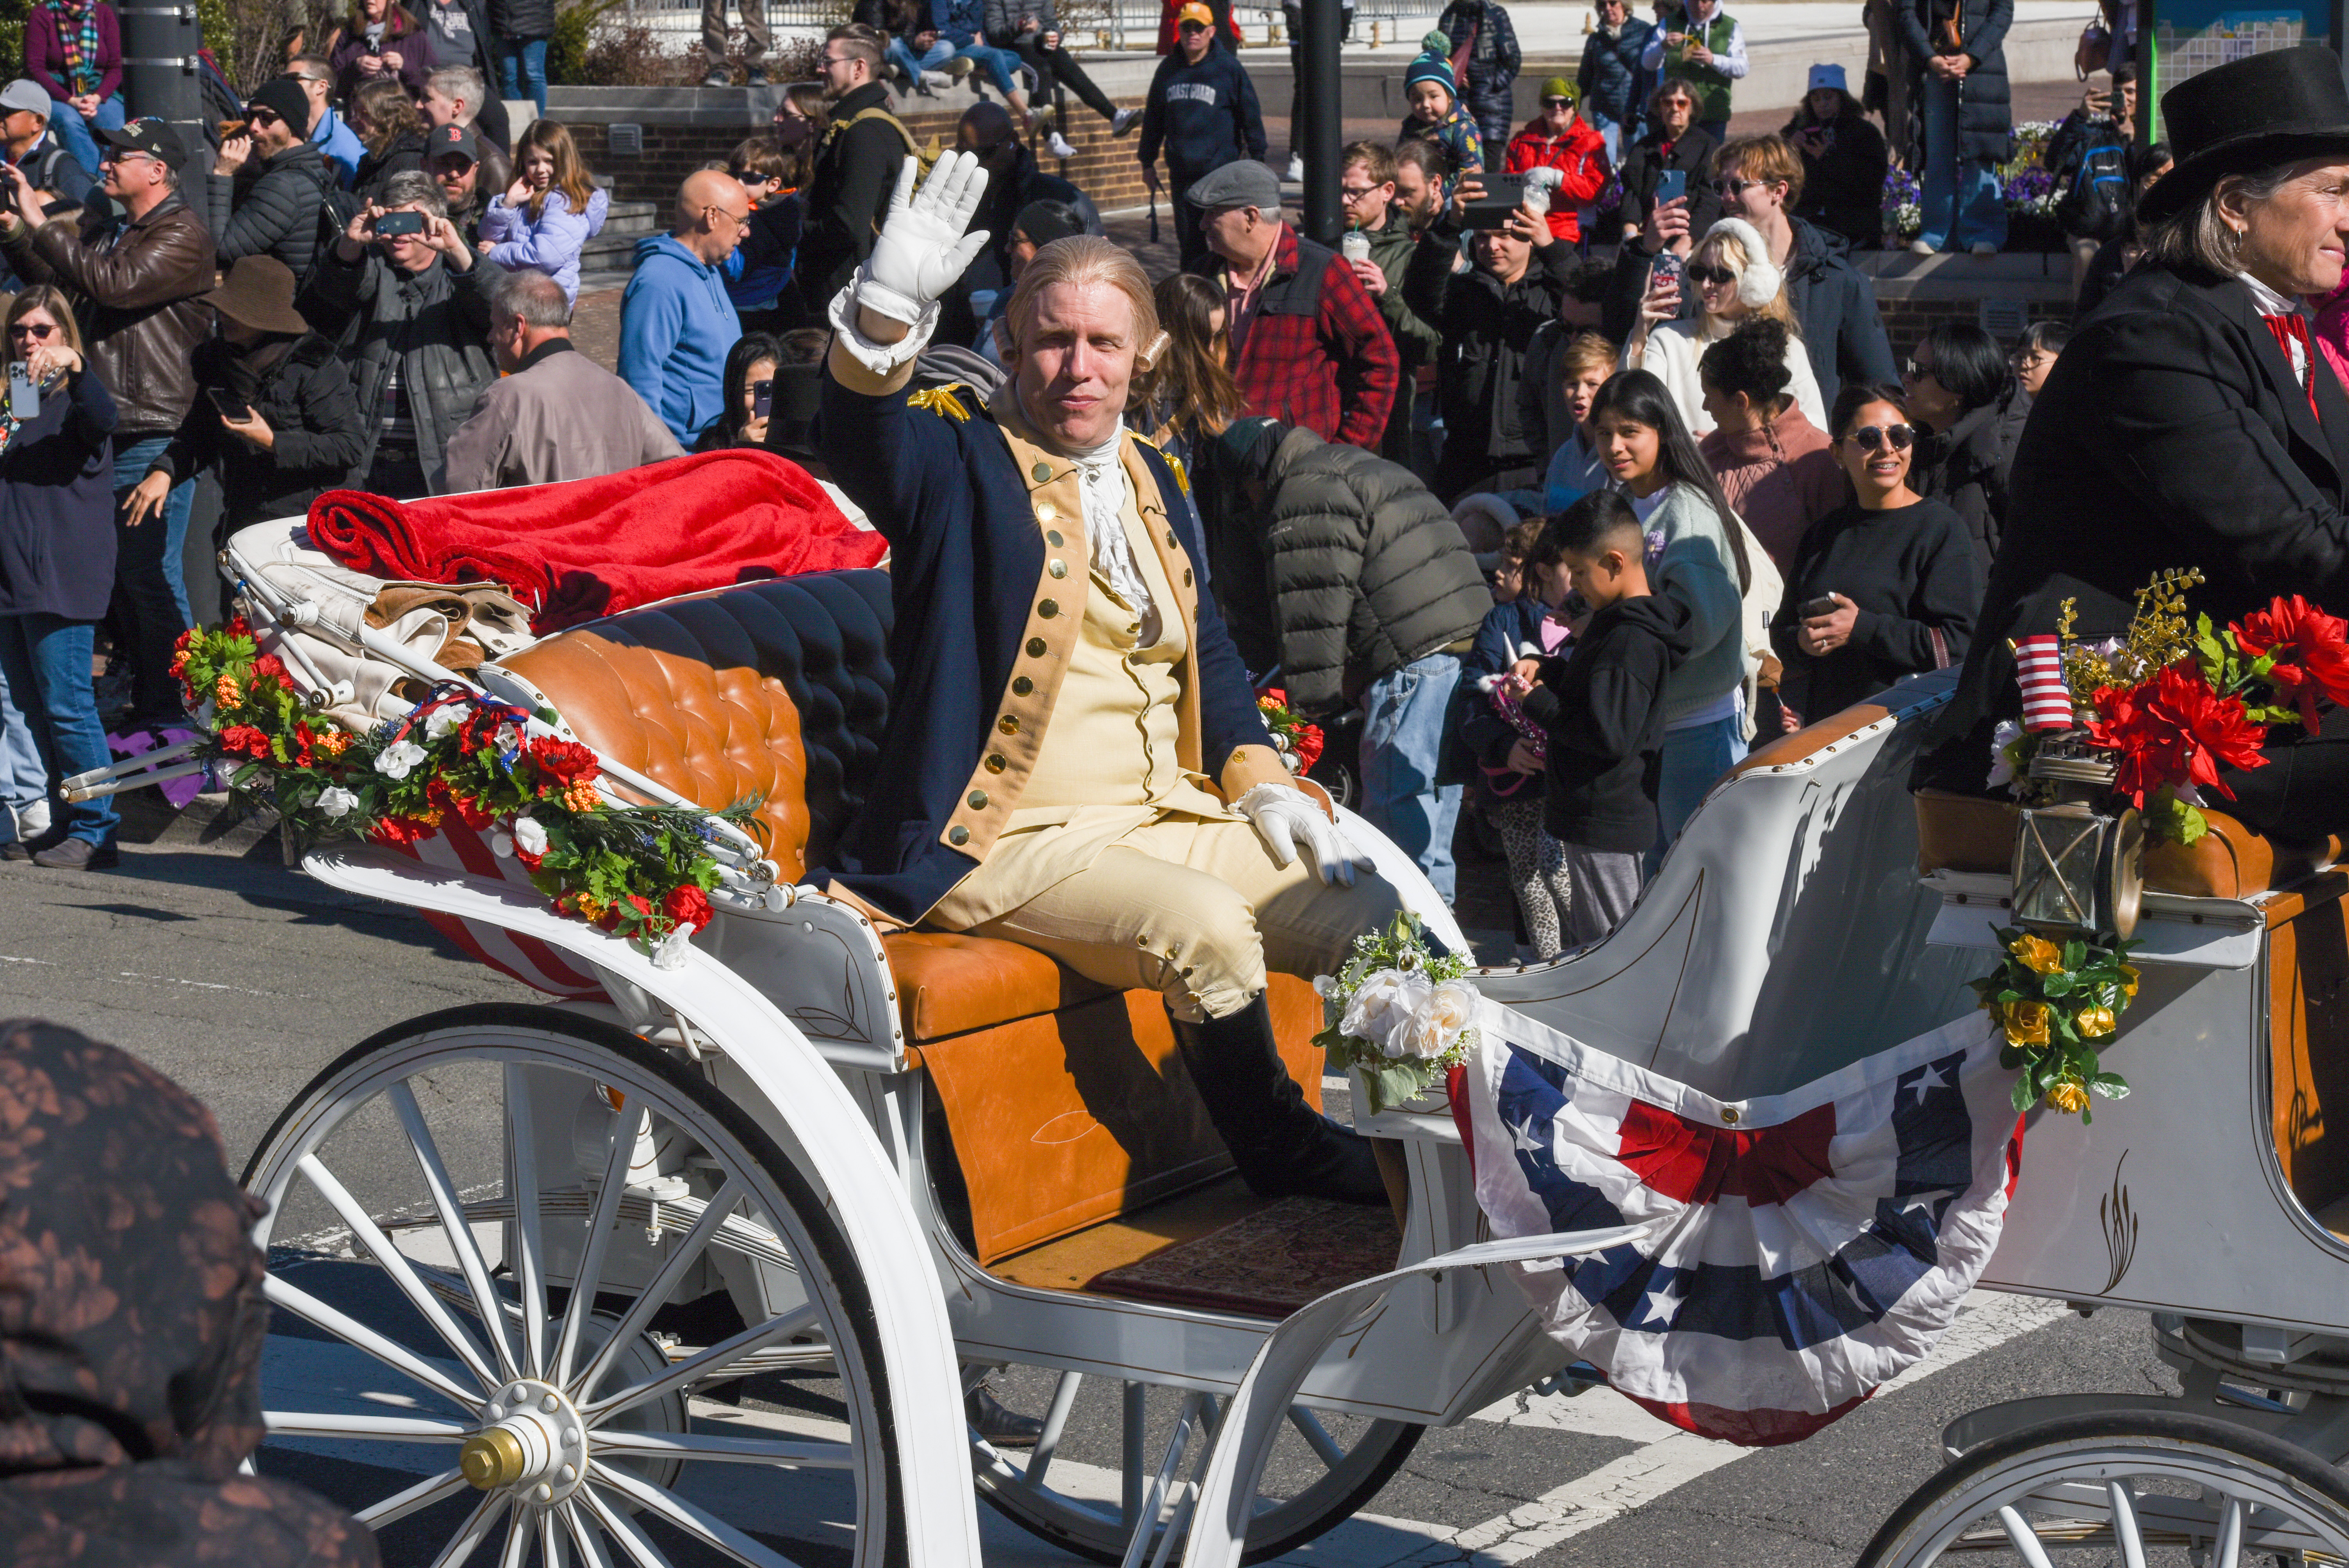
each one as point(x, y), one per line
point(453, 139)
point(29, 98)
point(1821, 77)
point(1194, 12)
point(148, 135)
point(1244, 183)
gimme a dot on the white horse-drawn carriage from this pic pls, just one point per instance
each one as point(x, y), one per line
point(696, 1259)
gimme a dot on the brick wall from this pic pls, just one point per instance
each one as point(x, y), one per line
point(1907, 321)
point(671, 152)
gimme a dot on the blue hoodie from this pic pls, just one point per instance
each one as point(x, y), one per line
point(340, 143)
point(677, 326)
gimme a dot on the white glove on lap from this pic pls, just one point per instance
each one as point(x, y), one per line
point(922, 248)
point(1285, 816)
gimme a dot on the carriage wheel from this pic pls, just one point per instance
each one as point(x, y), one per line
point(2112, 1486)
point(1087, 1500)
point(469, 1179)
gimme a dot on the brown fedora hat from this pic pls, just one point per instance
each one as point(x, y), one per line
point(259, 293)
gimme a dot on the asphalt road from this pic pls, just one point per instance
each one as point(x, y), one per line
point(242, 980)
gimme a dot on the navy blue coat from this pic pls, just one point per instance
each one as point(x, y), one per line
point(1205, 116)
point(966, 567)
point(56, 506)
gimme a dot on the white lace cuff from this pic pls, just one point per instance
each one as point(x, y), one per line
point(881, 358)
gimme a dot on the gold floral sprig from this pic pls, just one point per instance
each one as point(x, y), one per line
point(2051, 1001)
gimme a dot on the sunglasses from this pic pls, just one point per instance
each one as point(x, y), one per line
point(1705, 274)
point(1732, 187)
point(1557, 103)
point(31, 329)
point(1875, 437)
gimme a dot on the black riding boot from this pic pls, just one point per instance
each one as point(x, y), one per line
point(1280, 1144)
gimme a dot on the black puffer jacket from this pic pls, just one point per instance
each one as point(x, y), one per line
point(1493, 62)
point(522, 18)
point(376, 168)
point(1488, 326)
point(1985, 105)
point(436, 320)
point(271, 208)
point(304, 392)
point(1338, 565)
point(1966, 466)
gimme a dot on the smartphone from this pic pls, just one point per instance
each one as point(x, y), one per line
point(762, 397)
point(1504, 195)
point(230, 406)
point(401, 222)
point(1672, 186)
point(1825, 604)
point(24, 397)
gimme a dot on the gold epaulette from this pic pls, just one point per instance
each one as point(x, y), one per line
point(941, 400)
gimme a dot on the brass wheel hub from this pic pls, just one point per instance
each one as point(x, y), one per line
point(531, 1443)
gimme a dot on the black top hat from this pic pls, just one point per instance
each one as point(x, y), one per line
point(2248, 114)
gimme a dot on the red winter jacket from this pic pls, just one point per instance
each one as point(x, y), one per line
point(1580, 153)
point(1317, 353)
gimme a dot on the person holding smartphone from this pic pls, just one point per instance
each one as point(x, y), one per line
point(750, 395)
point(273, 415)
point(1881, 588)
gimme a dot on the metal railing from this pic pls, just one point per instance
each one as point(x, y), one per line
point(1099, 23)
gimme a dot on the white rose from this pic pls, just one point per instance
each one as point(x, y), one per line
point(670, 953)
point(1382, 1009)
point(1442, 1018)
point(2001, 771)
point(395, 760)
point(441, 721)
point(336, 801)
point(530, 835)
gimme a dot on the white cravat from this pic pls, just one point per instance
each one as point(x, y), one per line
point(1105, 486)
point(2267, 302)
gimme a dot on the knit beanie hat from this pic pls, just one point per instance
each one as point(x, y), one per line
point(283, 97)
point(1434, 65)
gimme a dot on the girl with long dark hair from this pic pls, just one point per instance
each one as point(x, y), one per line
point(750, 366)
point(1190, 395)
point(1699, 553)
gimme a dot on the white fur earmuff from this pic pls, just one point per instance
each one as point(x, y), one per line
point(1759, 283)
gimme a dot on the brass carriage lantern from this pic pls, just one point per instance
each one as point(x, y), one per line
point(2079, 870)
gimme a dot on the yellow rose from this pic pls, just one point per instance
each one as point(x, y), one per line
point(2093, 1022)
point(2070, 1098)
point(2037, 954)
point(2128, 980)
point(2026, 1023)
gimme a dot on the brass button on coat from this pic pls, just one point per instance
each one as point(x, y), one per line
point(1171, 544)
point(1187, 577)
point(1035, 647)
point(1049, 608)
point(977, 800)
point(1041, 472)
point(1046, 511)
point(1057, 568)
point(1053, 537)
point(957, 835)
point(1022, 686)
point(1008, 724)
point(995, 762)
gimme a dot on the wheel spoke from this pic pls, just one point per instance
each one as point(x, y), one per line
point(476, 1529)
point(696, 1521)
point(656, 1294)
point(1316, 1436)
point(454, 1224)
point(398, 1265)
point(619, 1146)
point(621, 1529)
point(520, 1528)
point(2024, 1539)
point(2126, 1533)
point(527, 1228)
point(400, 1504)
point(374, 1429)
point(1056, 1419)
point(699, 1365)
point(2228, 1551)
point(549, 1540)
point(586, 1545)
point(1131, 1439)
point(619, 1442)
point(359, 1337)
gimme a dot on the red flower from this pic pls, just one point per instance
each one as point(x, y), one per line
point(1308, 742)
point(2311, 650)
point(565, 761)
point(401, 830)
point(271, 665)
point(2174, 729)
point(687, 905)
point(466, 809)
point(246, 739)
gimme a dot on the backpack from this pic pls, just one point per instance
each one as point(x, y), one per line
point(923, 155)
point(2097, 205)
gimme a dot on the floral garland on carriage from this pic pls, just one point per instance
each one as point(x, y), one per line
point(459, 759)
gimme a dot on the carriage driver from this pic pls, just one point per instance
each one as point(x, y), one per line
point(1073, 760)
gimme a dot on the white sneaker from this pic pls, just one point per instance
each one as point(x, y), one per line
point(1296, 166)
point(1984, 248)
point(1920, 248)
point(1123, 122)
point(1058, 146)
point(33, 819)
point(936, 81)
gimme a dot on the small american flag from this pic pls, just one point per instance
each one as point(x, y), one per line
point(2039, 670)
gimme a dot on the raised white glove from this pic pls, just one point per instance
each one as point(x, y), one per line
point(1285, 816)
point(922, 248)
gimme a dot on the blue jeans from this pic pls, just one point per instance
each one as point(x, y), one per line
point(902, 53)
point(999, 64)
point(45, 661)
point(1403, 721)
point(23, 778)
point(72, 131)
point(1609, 131)
point(520, 59)
point(1693, 762)
point(151, 596)
point(1961, 205)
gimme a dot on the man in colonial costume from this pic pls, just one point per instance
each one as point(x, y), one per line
point(1074, 759)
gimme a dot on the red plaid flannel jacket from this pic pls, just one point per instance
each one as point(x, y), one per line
point(1318, 353)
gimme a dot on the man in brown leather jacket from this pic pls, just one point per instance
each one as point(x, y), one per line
point(138, 282)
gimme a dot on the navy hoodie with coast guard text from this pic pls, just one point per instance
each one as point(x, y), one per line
point(1603, 703)
point(1204, 115)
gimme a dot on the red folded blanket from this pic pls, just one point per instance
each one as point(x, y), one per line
point(596, 547)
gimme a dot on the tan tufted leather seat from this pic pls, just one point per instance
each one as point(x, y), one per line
point(1065, 1102)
